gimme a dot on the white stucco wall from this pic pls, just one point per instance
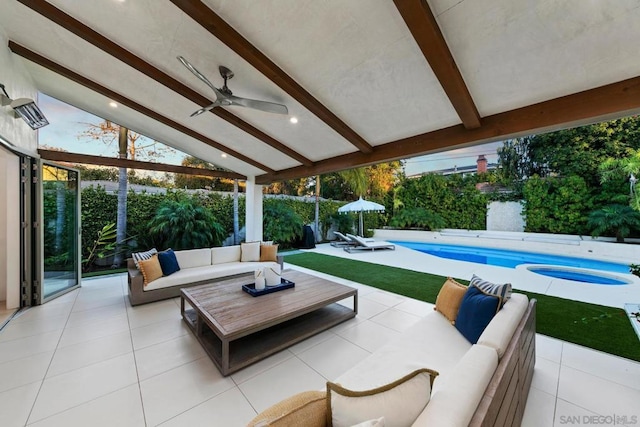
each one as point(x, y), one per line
point(16, 132)
point(505, 216)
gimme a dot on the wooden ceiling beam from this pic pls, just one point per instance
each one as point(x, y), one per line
point(62, 156)
point(90, 84)
point(590, 106)
point(213, 23)
point(101, 42)
point(425, 30)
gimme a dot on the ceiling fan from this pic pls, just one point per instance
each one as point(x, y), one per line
point(224, 96)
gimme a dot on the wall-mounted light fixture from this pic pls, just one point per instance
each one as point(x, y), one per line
point(25, 108)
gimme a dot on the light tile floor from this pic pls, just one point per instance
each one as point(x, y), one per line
point(89, 358)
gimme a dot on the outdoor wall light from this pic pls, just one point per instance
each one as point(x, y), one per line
point(25, 108)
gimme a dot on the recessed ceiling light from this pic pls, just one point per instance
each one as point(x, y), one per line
point(224, 155)
point(113, 104)
point(293, 120)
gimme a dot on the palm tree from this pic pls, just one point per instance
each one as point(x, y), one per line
point(357, 179)
point(617, 219)
point(623, 168)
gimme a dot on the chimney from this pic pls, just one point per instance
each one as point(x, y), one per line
point(482, 164)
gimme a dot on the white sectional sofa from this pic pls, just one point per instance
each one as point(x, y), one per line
point(484, 384)
point(197, 266)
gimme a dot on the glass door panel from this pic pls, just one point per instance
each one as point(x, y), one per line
point(60, 229)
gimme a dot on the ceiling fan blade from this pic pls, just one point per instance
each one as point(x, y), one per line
point(269, 107)
point(205, 109)
point(199, 75)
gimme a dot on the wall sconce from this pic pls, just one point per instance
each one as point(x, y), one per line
point(25, 108)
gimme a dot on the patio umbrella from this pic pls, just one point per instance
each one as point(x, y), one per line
point(360, 206)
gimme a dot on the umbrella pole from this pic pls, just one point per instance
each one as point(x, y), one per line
point(361, 224)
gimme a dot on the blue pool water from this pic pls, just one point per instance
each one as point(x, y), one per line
point(509, 258)
point(578, 276)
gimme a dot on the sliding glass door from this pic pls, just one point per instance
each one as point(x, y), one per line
point(60, 231)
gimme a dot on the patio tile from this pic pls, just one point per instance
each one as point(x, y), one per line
point(312, 341)
point(546, 375)
point(155, 359)
point(92, 330)
point(348, 324)
point(98, 314)
point(548, 348)
point(121, 408)
point(395, 319)
point(369, 335)
point(171, 393)
point(333, 357)
point(82, 385)
point(229, 409)
point(603, 365)
point(368, 308)
point(262, 366)
point(43, 312)
point(386, 298)
point(19, 372)
point(539, 409)
point(152, 313)
point(33, 327)
point(29, 346)
point(87, 353)
point(15, 404)
point(156, 333)
point(281, 381)
point(415, 307)
point(569, 414)
point(89, 304)
point(597, 394)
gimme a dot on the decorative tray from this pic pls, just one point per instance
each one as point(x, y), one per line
point(251, 288)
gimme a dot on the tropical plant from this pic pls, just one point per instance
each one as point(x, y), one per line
point(102, 246)
point(282, 225)
point(418, 218)
point(183, 224)
point(619, 220)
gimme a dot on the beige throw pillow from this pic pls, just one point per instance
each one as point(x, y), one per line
point(449, 299)
point(399, 402)
point(250, 251)
point(303, 409)
point(150, 269)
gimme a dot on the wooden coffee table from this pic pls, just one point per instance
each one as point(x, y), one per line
point(237, 329)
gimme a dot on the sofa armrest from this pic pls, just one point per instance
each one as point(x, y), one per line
point(135, 280)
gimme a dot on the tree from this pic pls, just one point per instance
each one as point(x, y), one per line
point(132, 145)
point(622, 169)
point(202, 182)
point(617, 219)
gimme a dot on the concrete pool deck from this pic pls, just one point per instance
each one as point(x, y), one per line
point(520, 277)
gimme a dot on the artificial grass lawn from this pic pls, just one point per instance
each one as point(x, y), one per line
point(603, 328)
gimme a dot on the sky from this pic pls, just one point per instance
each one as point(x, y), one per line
point(68, 122)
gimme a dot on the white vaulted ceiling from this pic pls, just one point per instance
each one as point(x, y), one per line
point(378, 77)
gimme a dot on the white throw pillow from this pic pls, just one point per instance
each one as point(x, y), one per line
point(399, 402)
point(250, 252)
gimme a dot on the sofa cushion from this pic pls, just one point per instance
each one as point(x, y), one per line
point(476, 311)
point(199, 274)
point(399, 402)
point(459, 391)
point(432, 342)
point(501, 328)
point(379, 422)
point(139, 256)
point(194, 258)
point(225, 254)
point(269, 253)
point(150, 269)
point(168, 262)
point(303, 409)
point(449, 299)
point(250, 251)
point(502, 291)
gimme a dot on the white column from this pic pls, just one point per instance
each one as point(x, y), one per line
point(253, 216)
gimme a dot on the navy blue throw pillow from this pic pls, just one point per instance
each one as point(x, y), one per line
point(476, 311)
point(168, 262)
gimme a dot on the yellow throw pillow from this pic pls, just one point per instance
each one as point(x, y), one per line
point(269, 253)
point(150, 269)
point(400, 402)
point(303, 409)
point(449, 299)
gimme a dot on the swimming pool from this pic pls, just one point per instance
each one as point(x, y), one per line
point(510, 258)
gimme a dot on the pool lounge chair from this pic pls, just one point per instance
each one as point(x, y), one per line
point(368, 244)
point(342, 240)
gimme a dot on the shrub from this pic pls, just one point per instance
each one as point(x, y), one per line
point(282, 225)
point(417, 217)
